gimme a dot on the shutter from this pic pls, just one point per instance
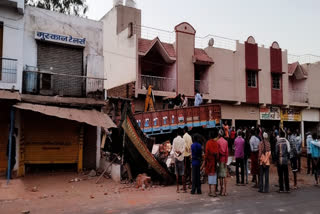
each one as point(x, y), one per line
point(64, 60)
point(50, 140)
point(4, 136)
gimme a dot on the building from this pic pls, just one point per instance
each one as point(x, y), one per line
point(11, 65)
point(255, 84)
point(61, 82)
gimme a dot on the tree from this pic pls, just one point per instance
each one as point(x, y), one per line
point(70, 7)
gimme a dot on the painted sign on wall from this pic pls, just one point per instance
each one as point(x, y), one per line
point(270, 113)
point(290, 114)
point(52, 37)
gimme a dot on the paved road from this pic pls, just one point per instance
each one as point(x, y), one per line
point(302, 201)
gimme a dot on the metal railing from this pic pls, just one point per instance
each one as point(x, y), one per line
point(169, 37)
point(158, 83)
point(48, 83)
point(202, 86)
point(303, 59)
point(8, 70)
point(218, 42)
point(298, 96)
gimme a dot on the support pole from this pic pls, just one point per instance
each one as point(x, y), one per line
point(10, 144)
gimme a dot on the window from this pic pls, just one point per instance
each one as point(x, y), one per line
point(276, 78)
point(252, 79)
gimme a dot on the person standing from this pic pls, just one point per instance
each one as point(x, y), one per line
point(197, 98)
point(282, 155)
point(239, 144)
point(264, 162)
point(309, 157)
point(293, 156)
point(232, 138)
point(211, 158)
point(187, 155)
point(223, 160)
point(178, 149)
point(254, 146)
point(185, 101)
point(298, 141)
point(246, 154)
point(315, 153)
point(196, 151)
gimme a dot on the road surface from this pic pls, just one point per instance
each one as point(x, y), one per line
point(300, 201)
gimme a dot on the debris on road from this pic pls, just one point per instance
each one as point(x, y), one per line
point(34, 189)
point(75, 180)
point(92, 173)
point(143, 181)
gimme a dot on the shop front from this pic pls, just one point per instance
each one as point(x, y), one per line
point(310, 121)
point(240, 116)
point(291, 118)
point(270, 117)
point(59, 137)
point(4, 136)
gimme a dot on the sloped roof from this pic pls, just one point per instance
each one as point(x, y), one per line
point(292, 67)
point(145, 45)
point(298, 70)
point(201, 56)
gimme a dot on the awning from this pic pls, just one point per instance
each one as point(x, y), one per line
point(91, 117)
point(8, 95)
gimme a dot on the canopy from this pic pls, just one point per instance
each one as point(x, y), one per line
point(91, 117)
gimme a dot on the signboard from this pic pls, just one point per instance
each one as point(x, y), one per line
point(52, 37)
point(290, 114)
point(270, 113)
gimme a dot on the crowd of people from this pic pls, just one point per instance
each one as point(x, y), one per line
point(282, 147)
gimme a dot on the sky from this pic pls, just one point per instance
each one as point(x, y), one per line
point(294, 24)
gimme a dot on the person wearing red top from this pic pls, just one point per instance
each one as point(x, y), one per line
point(232, 138)
point(223, 159)
point(211, 159)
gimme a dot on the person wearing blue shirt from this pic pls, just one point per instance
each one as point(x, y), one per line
point(315, 153)
point(309, 158)
point(197, 99)
point(196, 156)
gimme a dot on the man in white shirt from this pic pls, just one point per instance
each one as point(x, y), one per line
point(185, 101)
point(178, 149)
point(197, 99)
point(187, 155)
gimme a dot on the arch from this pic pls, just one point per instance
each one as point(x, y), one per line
point(275, 45)
point(185, 27)
point(251, 40)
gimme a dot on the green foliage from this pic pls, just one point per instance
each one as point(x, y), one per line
point(70, 7)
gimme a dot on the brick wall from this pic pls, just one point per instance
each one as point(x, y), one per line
point(123, 91)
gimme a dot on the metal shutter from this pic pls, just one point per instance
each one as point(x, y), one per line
point(65, 60)
point(49, 139)
point(4, 136)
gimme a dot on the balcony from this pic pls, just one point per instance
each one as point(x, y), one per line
point(51, 84)
point(298, 97)
point(202, 86)
point(158, 83)
point(8, 70)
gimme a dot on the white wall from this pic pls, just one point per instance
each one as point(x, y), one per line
point(120, 53)
point(52, 22)
point(12, 42)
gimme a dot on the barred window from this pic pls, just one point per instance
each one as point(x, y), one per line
point(276, 81)
point(252, 79)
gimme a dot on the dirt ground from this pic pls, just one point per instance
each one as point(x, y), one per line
point(54, 193)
